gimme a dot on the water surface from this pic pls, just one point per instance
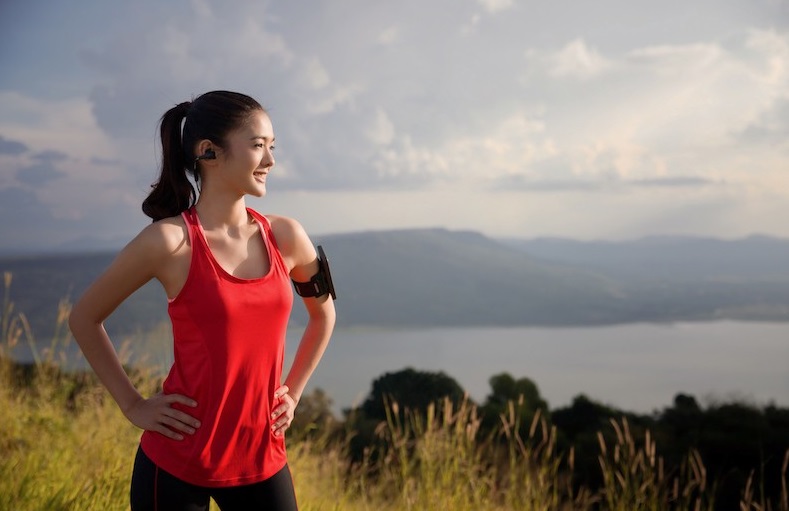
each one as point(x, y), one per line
point(638, 367)
point(635, 367)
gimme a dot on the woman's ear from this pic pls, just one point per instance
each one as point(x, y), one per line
point(205, 150)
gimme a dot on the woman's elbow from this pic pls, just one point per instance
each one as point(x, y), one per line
point(80, 320)
point(76, 321)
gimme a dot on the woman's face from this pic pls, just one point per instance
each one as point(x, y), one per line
point(247, 159)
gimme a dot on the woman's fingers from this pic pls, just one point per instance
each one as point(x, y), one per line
point(283, 413)
point(280, 392)
point(177, 424)
point(287, 405)
point(157, 414)
point(178, 398)
point(182, 417)
point(169, 433)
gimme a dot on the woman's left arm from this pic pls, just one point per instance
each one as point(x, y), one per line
point(299, 255)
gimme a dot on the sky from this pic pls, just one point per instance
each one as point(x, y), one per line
point(613, 119)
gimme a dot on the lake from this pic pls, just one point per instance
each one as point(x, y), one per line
point(635, 367)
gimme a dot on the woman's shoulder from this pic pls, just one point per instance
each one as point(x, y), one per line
point(165, 236)
point(289, 233)
point(285, 224)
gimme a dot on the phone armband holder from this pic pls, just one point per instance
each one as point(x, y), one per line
point(320, 283)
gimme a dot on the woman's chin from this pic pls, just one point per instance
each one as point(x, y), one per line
point(258, 192)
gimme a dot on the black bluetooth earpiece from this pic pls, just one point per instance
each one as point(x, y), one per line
point(209, 154)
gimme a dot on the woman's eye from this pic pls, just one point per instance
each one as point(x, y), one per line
point(259, 145)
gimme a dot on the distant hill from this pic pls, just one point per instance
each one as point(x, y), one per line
point(438, 277)
point(41, 281)
point(669, 257)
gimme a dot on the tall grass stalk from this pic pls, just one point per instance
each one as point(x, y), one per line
point(749, 502)
point(534, 472)
point(634, 477)
point(431, 461)
point(10, 332)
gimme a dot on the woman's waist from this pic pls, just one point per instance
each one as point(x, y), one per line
point(245, 393)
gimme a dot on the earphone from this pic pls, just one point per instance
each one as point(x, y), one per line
point(209, 154)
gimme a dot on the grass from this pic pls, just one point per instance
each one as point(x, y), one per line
point(64, 445)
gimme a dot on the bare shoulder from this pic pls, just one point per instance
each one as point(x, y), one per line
point(292, 240)
point(151, 254)
point(163, 238)
point(287, 230)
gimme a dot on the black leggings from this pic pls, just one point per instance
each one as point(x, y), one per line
point(153, 489)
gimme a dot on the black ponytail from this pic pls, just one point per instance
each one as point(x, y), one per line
point(173, 192)
point(209, 117)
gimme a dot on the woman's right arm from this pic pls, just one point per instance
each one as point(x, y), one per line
point(144, 258)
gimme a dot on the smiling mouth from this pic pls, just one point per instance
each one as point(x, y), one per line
point(259, 174)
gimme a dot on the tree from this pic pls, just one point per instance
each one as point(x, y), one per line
point(578, 426)
point(313, 415)
point(410, 389)
point(522, 394)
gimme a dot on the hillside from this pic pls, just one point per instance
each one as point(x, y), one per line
point(437, 277)
point(440, 277)
point(669, 257)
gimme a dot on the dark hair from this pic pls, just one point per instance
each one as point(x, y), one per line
point(211, 116)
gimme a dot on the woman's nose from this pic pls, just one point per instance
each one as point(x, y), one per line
point(267, 160)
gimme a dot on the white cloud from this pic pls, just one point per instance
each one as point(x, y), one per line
point(314, 74)
point(407, 164)
point(471, 26)
point(382, 131)
point(70, 166)
point(511, 146)
point(668, 60)
point(653, 116)
point(389, 36)
point(668, 111)
point(65, 125)
point(181, 56)
point(608, 161)
point(771, 52)
point(576, 59)
point(494, 6)
point(333, 98)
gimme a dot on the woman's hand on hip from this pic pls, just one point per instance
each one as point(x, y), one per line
point(157, 414)
point(282, 416)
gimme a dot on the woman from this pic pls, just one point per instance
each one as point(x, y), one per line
point(217, 428)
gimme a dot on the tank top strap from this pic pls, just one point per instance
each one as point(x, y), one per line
point(271, 241)
point(190, 219)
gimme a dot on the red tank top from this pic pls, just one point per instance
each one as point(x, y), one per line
point(229, 344)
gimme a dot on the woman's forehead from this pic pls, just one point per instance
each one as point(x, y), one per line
point(258, 125)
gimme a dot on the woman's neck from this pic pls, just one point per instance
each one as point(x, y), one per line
point(218, 212)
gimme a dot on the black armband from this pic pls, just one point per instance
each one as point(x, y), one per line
point(320, 283)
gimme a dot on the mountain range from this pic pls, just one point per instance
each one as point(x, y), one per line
point(439, 277)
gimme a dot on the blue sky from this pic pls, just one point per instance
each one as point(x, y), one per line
point(594, 120)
